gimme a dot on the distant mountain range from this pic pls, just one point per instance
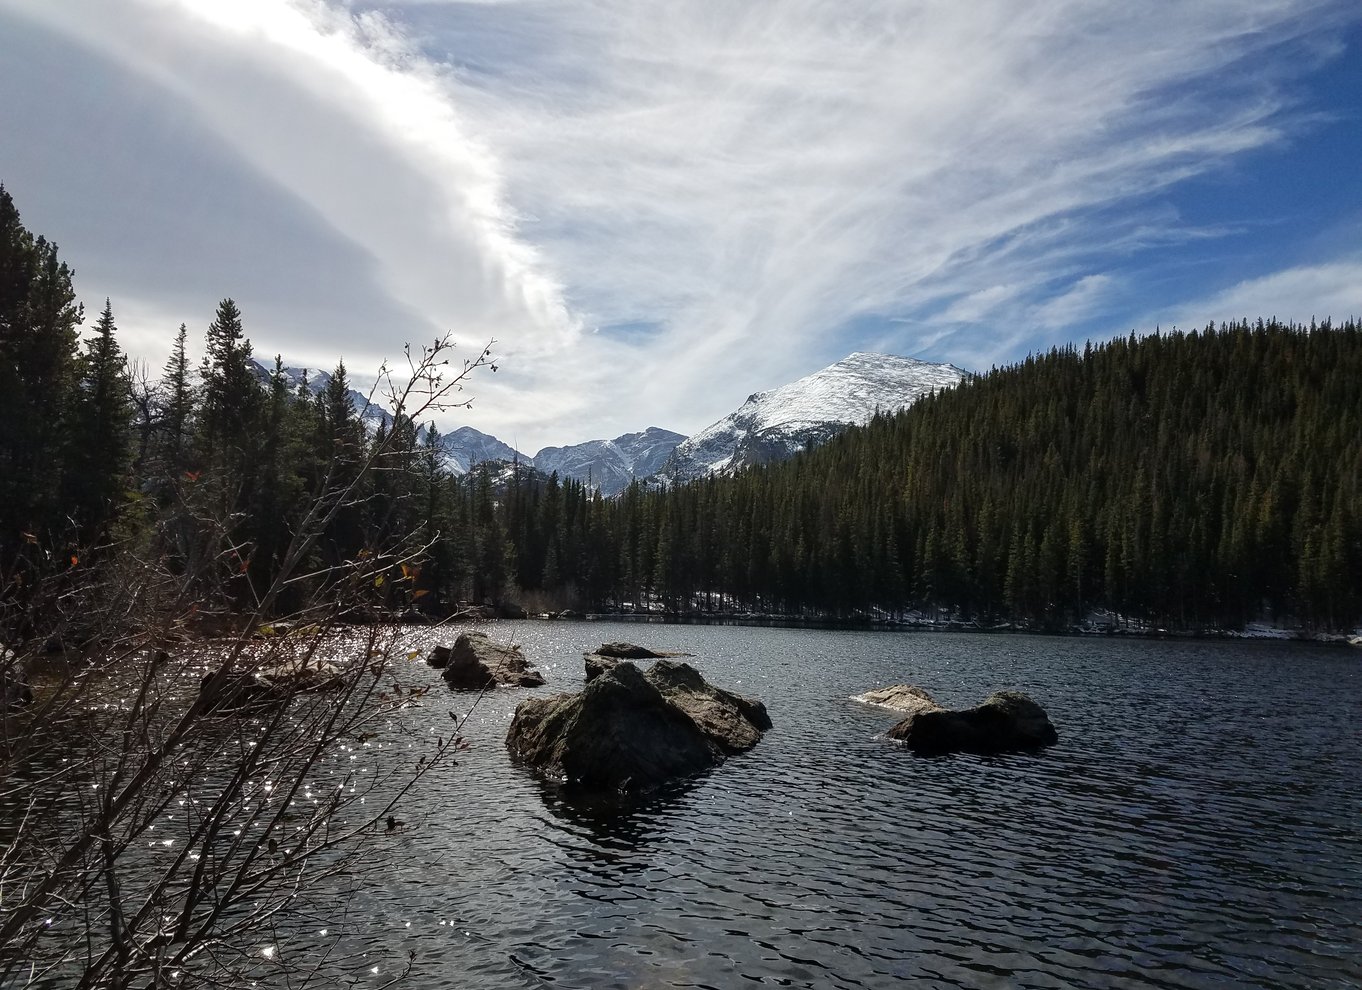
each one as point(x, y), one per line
point(769, 426)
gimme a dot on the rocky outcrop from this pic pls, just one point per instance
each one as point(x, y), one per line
point(476, 662)
point(900, 698)
point(607, 655)
point(1006, 721)
point(629, 731)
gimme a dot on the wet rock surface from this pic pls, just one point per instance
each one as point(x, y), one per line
point(629, 731)
point(1006, 721)
point(475, 661)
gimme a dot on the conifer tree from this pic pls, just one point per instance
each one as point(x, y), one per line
point(100, 444)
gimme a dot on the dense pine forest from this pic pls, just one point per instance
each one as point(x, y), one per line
point(1189, 480)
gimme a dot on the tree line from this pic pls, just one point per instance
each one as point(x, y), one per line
point(1188, 479)
point(212, 470)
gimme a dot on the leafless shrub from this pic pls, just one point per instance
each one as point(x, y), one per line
point(168, 801)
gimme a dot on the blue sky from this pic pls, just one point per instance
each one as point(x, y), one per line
point(659, 208)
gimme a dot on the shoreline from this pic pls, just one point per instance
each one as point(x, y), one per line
point(1253, 633)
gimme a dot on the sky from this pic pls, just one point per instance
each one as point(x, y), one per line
point(658, 208)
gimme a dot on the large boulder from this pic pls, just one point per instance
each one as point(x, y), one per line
point(476, 662)
point(731, 721)
point(1006, 721)
point(629, 731)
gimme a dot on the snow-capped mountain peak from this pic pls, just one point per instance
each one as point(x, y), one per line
point(775, 424)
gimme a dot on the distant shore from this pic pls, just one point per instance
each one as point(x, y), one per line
point(1129, 630)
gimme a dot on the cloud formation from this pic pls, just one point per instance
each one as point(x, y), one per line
point(659, 208)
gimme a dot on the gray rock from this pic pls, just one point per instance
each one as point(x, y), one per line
point(1006, 721)
point(609, 654)
point(731, 721)
point(476, 662)
point(597, 664)
point(900, 698)
point(629, 731)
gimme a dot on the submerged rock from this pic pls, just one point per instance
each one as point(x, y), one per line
point(629, 731)
point(1006, 721)
point(475, 662)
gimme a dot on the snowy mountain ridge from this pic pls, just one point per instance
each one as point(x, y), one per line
point(776, 424)
point(611, 464)
point(770, 426)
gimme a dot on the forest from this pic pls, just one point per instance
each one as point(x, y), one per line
point(1188, 480)
point(1191, 481)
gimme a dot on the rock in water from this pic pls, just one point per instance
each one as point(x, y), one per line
point(475, 662)
point(597, 664)
point(632, 651)
point(269, 680)
point(609, 654)
point(629, 731)
point(1006, 721)
point(732, 722)
point(899, 697)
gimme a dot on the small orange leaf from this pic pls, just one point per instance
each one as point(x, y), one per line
point(192, 475)
point(74, 560)
point(420, 592)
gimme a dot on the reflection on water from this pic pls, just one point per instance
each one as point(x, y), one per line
point(1195, 827)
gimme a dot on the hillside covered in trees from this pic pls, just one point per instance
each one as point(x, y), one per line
point(1192, 480)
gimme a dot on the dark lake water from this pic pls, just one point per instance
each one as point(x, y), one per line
point(1198, 825)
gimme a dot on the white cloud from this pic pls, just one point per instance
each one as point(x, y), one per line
point(748, 177)
point(1301, 294)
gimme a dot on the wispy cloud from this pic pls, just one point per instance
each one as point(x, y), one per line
point(746, 180)
point(1297, 295)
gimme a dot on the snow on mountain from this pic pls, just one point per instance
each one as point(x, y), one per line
point(774, 425)
point(611, 464)
point(465, 447)
point(770, 426)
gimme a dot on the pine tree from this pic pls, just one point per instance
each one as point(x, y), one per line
point(100, 443)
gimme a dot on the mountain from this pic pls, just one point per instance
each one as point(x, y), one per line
point(611, 464)
point(466, 447)
point(771, 426)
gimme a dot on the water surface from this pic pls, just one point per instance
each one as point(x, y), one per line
point(1196, 826)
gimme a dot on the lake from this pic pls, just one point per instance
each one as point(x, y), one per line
point(1196, 826)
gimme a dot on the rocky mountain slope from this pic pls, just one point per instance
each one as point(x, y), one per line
point(774, 425)
point(611, 464)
